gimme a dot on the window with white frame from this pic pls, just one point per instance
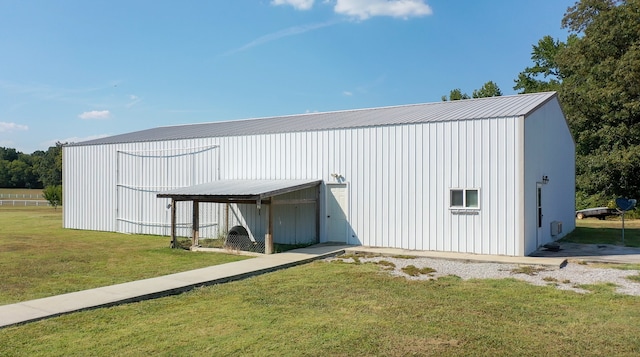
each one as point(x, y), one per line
point(464, 198)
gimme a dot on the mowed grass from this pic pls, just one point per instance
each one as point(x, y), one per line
point(39, 258)
point(320, 309)
point(340, 309)
point(609, 231)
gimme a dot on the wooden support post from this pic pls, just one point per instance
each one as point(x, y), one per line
point(268, 241)
point(174, 239)
point(196, 222)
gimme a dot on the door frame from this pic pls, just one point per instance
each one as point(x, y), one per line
point(347, 210)
point(539, 214)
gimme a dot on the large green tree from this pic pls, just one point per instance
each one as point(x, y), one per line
point(489, 89)
point(597, 75)
point(601, 96)
point(50, 166)
point(544, 75)
point(455, 94)
point(40, 169)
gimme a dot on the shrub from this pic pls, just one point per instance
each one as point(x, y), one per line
point(53, 194)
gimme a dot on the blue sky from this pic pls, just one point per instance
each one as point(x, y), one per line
point(74, 70)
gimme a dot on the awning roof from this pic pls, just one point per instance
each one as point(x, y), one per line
point(238, 190)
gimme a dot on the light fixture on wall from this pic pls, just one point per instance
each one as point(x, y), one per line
point(337, 177)
point(545, 179)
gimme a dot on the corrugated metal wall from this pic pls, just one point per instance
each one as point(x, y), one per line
point(549, 151)
point(399, 180)
point(113, 187)
point(292, 223)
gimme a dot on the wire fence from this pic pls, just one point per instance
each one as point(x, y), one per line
point(244, 243)
point(24, 203)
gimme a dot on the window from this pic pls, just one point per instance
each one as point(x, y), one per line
point(457, 198)
point(464, 198)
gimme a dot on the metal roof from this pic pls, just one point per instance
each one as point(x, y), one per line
point(238, 190)
point(494, 107)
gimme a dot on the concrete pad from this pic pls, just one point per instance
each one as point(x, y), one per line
point(550, 261)
point(593, 252)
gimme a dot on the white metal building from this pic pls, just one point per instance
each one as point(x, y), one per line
point(486, 176)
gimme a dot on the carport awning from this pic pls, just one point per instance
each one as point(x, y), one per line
point(238, 191)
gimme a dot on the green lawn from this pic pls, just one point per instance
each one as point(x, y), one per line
point(595, 231)
point(339, 309)
point(317, 309)
point(39, 258)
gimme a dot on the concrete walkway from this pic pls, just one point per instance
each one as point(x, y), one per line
point(139, 290)
point(39, 309)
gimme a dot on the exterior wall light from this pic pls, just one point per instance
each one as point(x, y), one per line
point(339, 178)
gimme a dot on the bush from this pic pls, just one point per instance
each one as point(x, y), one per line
point(53, 194)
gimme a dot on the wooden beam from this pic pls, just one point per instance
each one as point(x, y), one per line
point(196, 222)
point(268, 239)
point(299, 201)
point(174, 240)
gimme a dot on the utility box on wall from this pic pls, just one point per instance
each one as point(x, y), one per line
point(556, 228)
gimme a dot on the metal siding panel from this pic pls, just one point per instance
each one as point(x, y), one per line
point(358, 190)
point(482, 245)
point(435, 173)
point(394, 182)
point(493, 188)
point(475, 135)
point(510, 196)
point(464, 181)
point(447, 143)
point(420, 181)
point(455, 181)
point(412, 234)
point(146, 168)
point(387, 174)
point(379, 192)
point(502, 166)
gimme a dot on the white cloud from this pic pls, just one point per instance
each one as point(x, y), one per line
point(134, 99)
point(364, 9)
point(95, 114)
point(297, 4)
point(347, 93)
point(291, 31)
point(11, 127)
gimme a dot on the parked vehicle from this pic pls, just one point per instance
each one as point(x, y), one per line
point(598, 212)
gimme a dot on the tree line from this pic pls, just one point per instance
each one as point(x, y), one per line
point(37, 170)
point(596, 72)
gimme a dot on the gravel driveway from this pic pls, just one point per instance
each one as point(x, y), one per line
point(567, 278)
